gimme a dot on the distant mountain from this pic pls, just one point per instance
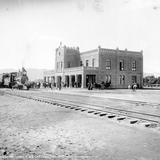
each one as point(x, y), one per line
point(7, 70)
point(35, 74)
point(32, 73)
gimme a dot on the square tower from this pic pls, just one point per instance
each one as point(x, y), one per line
point(66, 57)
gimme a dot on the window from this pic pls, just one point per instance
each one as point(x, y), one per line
point(57, 65)
point(121, 65)
point(93, 62)
point(69, 64)
point(108, 78)
point(81, 64)
point(134, 66)
point(61, 65)
point(108, 64)
point(122, 79)
point(86, 63)
point(134, 79)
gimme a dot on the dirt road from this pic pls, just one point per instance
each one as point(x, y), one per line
point(30, 129)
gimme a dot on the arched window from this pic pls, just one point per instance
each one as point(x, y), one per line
point(121, 65)
point(122, 79)
point(108, 78)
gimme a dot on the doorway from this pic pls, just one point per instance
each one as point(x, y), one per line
point(90, 79)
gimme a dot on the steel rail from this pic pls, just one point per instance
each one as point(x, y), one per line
point(119, 99)
point(98, 108)
point(110, 109)
point(97, 105)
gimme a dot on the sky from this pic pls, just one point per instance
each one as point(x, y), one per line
point(31, 30)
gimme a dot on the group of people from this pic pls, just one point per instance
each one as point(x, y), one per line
point(60, 85)
point(90, 86)
point(133, 87)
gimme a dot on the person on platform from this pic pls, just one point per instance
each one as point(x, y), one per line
point(134, 87)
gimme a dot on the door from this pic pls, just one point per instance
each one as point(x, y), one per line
point(90, 79)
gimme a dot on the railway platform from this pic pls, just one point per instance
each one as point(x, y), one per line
point(150, 96)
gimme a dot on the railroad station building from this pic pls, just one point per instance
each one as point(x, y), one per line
point(119, 67)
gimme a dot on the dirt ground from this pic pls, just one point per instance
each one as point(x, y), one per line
point(35, 130)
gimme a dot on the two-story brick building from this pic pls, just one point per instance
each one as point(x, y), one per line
point(119, 67)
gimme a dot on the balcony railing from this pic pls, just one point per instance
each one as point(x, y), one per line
point(80, 68)
point(90, 68)
point(73, 68)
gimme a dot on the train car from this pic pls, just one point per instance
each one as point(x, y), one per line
point(14, 79)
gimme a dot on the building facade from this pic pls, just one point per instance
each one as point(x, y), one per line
point(120, 68)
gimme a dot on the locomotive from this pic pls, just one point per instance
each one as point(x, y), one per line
point(7, 80)
point(17, 80)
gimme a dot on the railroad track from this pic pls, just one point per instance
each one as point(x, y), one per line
point(121, 100)
point(134, 117)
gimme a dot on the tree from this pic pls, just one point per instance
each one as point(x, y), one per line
point(148, 80)
point(158, 80)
